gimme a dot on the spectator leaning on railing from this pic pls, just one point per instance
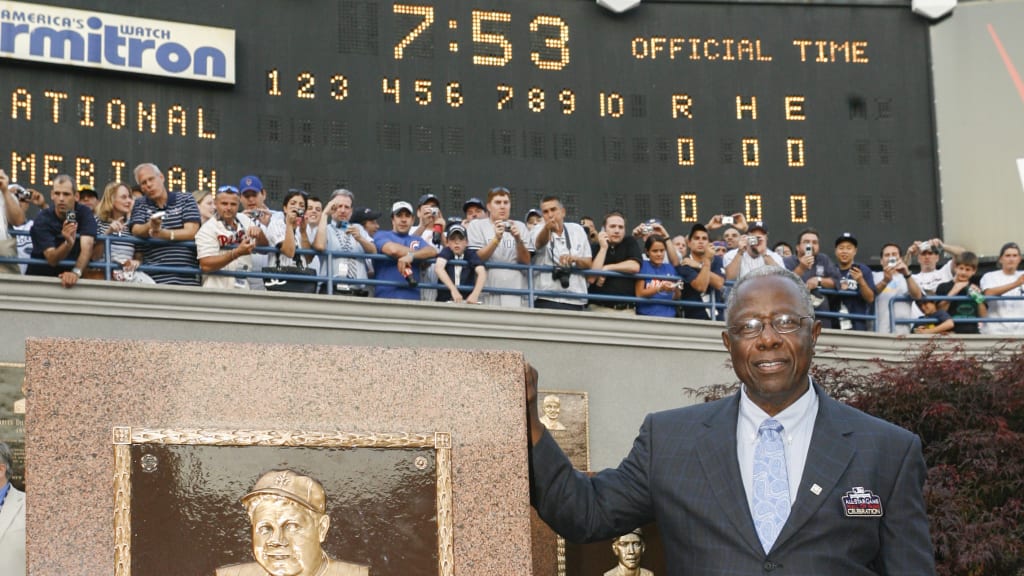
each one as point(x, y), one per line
point(1008, 281)
point(11, 215)
point(966, 267)
point(814, 268)
point(857, 284)
point(500, 240)
point(67, 231)
point(704, 276)
point(226, 242)
point(661, 290)
point(338, 231)
point(894, 281)
point(752, 253)
point(564, 246)
point(172, 217)
point(614, 252)
point(406, 251)
point(112, 213)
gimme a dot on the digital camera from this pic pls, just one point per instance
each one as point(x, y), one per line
point(300, 213)
point(727, 220)
point(808, 250)
point(71, 217)
point(562, 275)
point(646, 229)
point(752, 241)
point(892, 261)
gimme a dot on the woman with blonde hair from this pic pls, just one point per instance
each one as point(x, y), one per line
point(204, 199)
point(113, 212)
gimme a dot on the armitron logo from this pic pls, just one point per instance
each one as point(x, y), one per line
point(100, 40)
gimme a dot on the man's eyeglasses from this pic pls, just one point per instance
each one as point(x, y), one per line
point(228, 189)
point(782, 324)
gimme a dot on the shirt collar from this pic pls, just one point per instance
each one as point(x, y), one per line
point(3, 493)
point(751, 415)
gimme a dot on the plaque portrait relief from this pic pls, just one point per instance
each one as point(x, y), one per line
point(565, 413)
point(282, 503)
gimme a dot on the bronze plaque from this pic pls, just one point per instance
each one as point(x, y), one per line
point(12, 417)
point(387, 498)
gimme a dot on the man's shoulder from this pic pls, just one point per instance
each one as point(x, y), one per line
point(859, 421)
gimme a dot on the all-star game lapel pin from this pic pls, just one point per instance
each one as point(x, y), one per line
point(861, 503)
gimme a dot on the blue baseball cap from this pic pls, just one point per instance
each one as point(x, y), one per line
point(250, 184)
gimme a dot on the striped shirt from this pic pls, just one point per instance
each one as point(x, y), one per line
point(180, 209)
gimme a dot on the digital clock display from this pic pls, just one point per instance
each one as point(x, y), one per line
point(798, 115)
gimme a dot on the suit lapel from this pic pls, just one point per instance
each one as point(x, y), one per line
point(828, 458)
point(717, 453)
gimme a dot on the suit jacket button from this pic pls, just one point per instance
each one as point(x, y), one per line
point(769, 566)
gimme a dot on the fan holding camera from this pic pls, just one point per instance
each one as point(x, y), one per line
point(65, 231)
point(751, 254)
point(11, 215)
point(565, 247)
point(815, 269)
point(894, 281)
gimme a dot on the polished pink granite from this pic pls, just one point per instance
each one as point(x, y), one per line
point(78, 390)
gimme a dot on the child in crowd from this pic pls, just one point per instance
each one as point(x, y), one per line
point(456, 264)
point(656, 265)
point(937, 321)
point(966, 266)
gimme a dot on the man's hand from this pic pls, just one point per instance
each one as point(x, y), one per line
point(4, 180)
point(245, 247)
point(807, 261)
point(499, 229)
point(534, 427)
point(68, 279)
point(37, 198)
point(856, 274)
point(602, 239)
point(68, 231)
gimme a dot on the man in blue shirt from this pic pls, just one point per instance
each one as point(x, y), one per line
point(857, 284)
point(404, 250)
point(65, 231)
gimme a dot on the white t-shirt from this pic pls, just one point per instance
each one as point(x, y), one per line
point(928, 281)
point(550, 254)
point(1003, 308)
point(211, 240)
point(896, 288)
point(479, 234)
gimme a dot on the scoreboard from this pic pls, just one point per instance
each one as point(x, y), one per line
point(795, 114)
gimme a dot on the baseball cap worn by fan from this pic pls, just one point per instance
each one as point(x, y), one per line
point(399, 206)
point(757, 225)
point(474, 201)
point(363, 215)
point(250, 184)
point(532, 211)
point(427, 198)
point(846, 237)
point(456, 229)
point(295, 487)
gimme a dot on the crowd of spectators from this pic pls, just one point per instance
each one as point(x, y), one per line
point(232, 239)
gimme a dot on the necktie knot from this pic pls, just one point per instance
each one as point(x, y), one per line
point(771, 428)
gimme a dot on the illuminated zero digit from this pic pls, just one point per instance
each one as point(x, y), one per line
point(798, 208)
point(454, 94)
point(753, 207)
point(568, 100)
point(507, 98)
point(339, 87)
point(422, 90)
point(560, 42)
point(427, 12)
point(307, 86)
point(273, 85)
point(688, 208)
point(499, 40)
point(536, 99)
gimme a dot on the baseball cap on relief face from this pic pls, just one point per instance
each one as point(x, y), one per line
point(250, 184)
point(293, 486)
point(399, 206)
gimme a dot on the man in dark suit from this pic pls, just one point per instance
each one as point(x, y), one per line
point(832, 490)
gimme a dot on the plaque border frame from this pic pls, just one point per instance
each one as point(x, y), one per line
point(125, 436)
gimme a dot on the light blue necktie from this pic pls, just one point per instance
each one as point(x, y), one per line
point(771, 483)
